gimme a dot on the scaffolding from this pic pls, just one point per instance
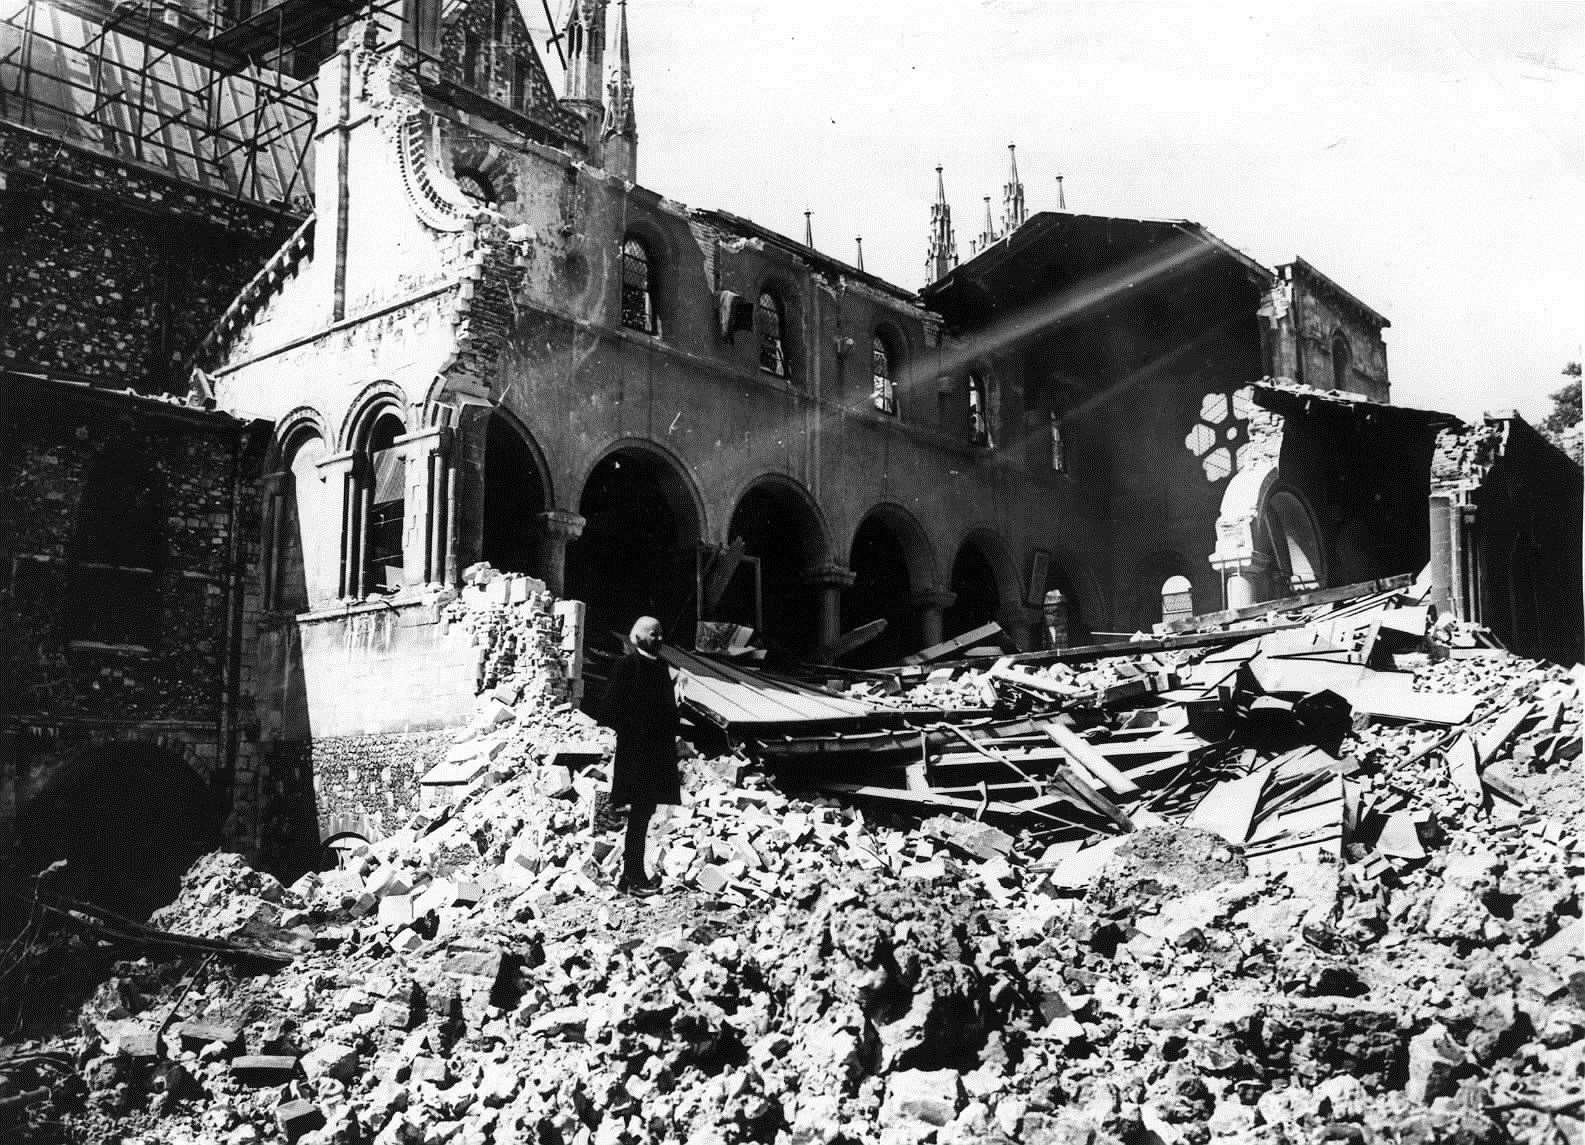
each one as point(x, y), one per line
point(216, 93)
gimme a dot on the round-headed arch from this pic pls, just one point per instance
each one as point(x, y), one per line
point(517, 487)
point(374, 402)
point(984, 581)
point(781, 526)
point(892, 564)
point(643, 521)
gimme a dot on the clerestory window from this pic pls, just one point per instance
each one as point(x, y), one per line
point(768, 323)
point(638, 287)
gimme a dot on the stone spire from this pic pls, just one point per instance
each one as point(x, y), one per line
point(620, 130)
point(1013, 212)
point(943, 253)
point(987, 235)
point(583, 34)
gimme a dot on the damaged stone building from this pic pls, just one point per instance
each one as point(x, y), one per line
point(432, 317)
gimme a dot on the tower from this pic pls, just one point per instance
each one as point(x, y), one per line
point(1013, 212)
point(584, 35)
point(943, 252)
point(619, 132)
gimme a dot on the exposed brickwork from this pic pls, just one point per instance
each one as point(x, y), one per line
point(111, 272)
point(375, 776)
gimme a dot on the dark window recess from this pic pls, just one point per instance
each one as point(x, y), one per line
point(1059, 446)
point(638, 298)
point(979, 412)
point(386, 510)
point(519, 83)
point(116, 557)
point(768, 320)
point(471, 49)
point(882, 391)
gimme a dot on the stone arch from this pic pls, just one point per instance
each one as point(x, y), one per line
point(372, 401)
point(1268, 539)
point(517, 488)
point(298, 422)
point(984, 583)
point(1070, 621)
point(894, 568)
point(643, 521)
point(781, 525)
point(303, 521)
point(1290, 529)
point(1152, 572)
point(129, 818)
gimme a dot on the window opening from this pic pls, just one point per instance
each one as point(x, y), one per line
point(768, 317)
point(1342, 362)
point(883, 393)
point(470, 59)
point(114, 596)
point(388, 478)
point(638, 299)
point(1059, 446)
point(979, 415)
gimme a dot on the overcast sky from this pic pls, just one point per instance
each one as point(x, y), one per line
point(1429, 157)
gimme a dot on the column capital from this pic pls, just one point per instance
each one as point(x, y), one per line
point(933, 598)
point(560, 524)
point(829, 575)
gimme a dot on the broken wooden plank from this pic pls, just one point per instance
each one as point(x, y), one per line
point(1319, 596)
point(1086, 755)
point(930, 800)
point(853, 640)
point(957, 643)
point(1228, 809)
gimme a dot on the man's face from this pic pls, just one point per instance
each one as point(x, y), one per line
point(648, 636)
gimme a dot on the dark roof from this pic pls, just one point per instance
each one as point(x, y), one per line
point(1054, 247)
point(1291, 399)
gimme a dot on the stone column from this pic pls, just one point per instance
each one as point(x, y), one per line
point(430, 505)
point(1021, 623)
point(1055, 615)
point(274, 487)
point(341, 475)
point(931, 603)
point(828, 581)
point(557, 528)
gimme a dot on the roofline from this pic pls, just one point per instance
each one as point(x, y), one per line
point(752, 229)
point(1275, 393)
point(158, 405)
point(1331, 285)
point(1043, 221)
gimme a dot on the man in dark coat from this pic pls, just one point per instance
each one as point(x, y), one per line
point(641, 704)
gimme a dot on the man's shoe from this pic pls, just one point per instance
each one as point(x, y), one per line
point(637, 890)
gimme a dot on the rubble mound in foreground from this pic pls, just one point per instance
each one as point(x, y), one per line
point(815, 975)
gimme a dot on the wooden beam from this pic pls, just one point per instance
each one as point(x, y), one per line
point(854, 640)
point(947, 647)
point(1085, 754)
point(1287, 603)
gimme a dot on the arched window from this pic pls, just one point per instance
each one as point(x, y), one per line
point(384, 489)
point(1342, 362)
point(638, 287)
point(768, 323)
point(883, 391)
point(979, 411)
point(302, 571)
point(116, 554)
point(475, 184)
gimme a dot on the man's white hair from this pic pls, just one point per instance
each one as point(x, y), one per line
point(641, 625)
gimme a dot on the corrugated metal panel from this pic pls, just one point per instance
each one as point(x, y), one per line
point(736, 698)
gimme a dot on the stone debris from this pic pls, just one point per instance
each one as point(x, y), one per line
point(1344, 941)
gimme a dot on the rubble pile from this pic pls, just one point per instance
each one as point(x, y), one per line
point(1324, 927)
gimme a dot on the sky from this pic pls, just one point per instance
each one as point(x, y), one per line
point(1428, 157)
